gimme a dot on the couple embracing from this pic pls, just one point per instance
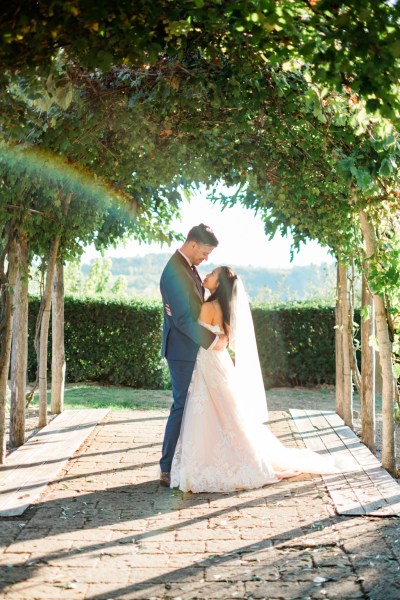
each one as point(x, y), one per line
point(215, 438)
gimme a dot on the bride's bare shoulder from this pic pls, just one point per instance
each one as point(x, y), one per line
point(211, 313)
point(207, 313)
point(217, 310)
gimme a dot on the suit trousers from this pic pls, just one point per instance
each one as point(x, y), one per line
point(181, 374)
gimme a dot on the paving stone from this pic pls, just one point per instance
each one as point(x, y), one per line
point(33, 533)
point(278, 590)
point(200, 522)
point(124, 525)
point(67, 523)
point(235, 573)
point(188, 574)
point(39, 547)
point(82, 575)
point(8, 558)
point(223, 546)
point(37, 590)
point(262, 556)
point(108, 591)
point(366, 545)
point(258, 533)
point(76, 557)
point(106, 530)
point(347, 589)
point(388, 589)
point(178, 547)
point(205, 534)
point(334, 558)
point(203, 591)
point(19, 576)
point(10, 529)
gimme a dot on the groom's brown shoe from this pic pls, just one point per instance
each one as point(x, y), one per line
point(165, 478)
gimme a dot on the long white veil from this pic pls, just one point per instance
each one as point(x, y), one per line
point(242, 341)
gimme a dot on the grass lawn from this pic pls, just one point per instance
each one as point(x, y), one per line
point(316, 398)
point(114, 397)
point(83, 395)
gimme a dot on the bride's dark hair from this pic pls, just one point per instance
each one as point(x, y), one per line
point(223, 294)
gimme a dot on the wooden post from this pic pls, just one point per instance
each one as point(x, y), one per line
point(44, 333)
point(7, 296)
point(57, 352)
point(19, 352)
point(352, 349)
point(378, 374)
point(339, 387)
point(367, 369)
point(347, 344)
point(385, 356)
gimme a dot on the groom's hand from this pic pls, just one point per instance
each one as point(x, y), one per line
point(222, 343)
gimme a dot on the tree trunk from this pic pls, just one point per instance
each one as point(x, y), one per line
point(57, 352)
point(367, 368)
point(19, 352)
point(385, 355)
point(378, 374)
point(339, 388)
point(7, 302)
point(44, 333)
point(347, 345)
point(352, 348)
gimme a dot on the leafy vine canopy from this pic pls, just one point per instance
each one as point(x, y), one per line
point(351, 42)
point(287, 101)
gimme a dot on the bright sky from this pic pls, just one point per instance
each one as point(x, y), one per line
point(241, 239)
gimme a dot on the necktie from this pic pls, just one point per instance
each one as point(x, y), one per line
point(197, 279)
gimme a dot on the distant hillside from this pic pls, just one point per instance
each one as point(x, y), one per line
point(272, 285)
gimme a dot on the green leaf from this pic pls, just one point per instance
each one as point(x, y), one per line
point(366, 313)
point(394, 48)
point(363, 178)
point(386, 168)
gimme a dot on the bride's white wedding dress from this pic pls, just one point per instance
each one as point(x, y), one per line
point(222, 446)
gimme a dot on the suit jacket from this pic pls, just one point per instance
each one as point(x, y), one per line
point(182, 335)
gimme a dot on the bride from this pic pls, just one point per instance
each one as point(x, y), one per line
point(223, 444)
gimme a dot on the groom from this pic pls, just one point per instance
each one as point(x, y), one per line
point(182, 295)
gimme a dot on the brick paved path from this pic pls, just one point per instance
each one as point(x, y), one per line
point(106, 530)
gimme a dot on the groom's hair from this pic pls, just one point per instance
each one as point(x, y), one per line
point(202, 234)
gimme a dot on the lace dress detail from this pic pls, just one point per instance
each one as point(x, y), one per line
point(221, 449)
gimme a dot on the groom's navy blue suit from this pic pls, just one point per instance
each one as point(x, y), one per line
point(181, 289)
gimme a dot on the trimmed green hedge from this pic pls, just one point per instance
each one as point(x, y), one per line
point(296, 344)
point(118, 342)
point(114, 342)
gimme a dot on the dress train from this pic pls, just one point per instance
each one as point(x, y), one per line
point(221, 448)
